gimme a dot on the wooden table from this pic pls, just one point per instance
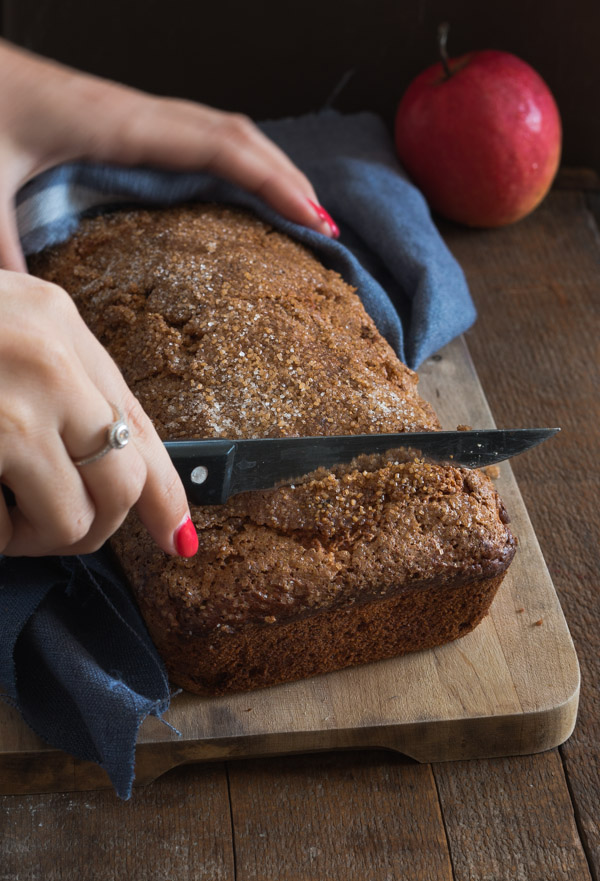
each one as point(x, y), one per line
point(377, 815)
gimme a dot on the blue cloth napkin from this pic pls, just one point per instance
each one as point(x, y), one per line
point(75, 657)
point(389, 249)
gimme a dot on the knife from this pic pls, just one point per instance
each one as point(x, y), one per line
point(214, 469)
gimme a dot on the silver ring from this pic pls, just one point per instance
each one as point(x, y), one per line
point(117, 437)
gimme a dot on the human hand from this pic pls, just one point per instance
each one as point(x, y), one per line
point(51, 114)
point(55, 384)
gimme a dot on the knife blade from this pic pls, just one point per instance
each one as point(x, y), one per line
point(213, 469)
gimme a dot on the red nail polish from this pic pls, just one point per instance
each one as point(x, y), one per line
point(324, 216)
point(186, 539)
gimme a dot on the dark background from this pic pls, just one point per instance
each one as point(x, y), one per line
point(272, 59)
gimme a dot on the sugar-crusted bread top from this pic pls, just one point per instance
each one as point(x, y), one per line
point(224, 327)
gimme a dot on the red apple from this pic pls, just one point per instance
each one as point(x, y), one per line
point(480, 136)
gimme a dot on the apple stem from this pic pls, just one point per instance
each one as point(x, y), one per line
point(442, 42)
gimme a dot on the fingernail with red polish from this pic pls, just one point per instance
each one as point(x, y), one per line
point(186, 539)
point(325, 217)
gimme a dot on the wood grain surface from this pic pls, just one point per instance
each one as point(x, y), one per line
point(328, 816)
point(536, 346)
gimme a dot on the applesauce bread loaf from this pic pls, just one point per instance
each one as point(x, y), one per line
point(224, 327)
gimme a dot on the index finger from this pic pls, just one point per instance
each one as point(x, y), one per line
point(162, 504)
point(143, 129)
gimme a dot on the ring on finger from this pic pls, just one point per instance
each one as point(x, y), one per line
point(117, 437)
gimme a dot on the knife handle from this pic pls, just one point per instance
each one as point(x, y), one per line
point(206, 477)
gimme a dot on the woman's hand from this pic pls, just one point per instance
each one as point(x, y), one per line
point(56, 382)
point(51, 114)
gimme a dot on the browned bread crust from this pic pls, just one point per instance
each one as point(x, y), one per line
point(224, 327)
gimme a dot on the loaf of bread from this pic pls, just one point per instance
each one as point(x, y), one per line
point(224, 327)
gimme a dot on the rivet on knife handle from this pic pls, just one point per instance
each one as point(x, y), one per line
point(207, 477)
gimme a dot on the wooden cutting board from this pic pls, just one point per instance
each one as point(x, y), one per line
point(510, 687)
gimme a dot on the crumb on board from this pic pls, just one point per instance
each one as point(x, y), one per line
point(492, 471)
point(538, 623)
point(464, 428)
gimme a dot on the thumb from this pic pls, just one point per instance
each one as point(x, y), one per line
point(11, 254)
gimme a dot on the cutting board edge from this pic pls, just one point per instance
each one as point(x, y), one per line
point(423, 741)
